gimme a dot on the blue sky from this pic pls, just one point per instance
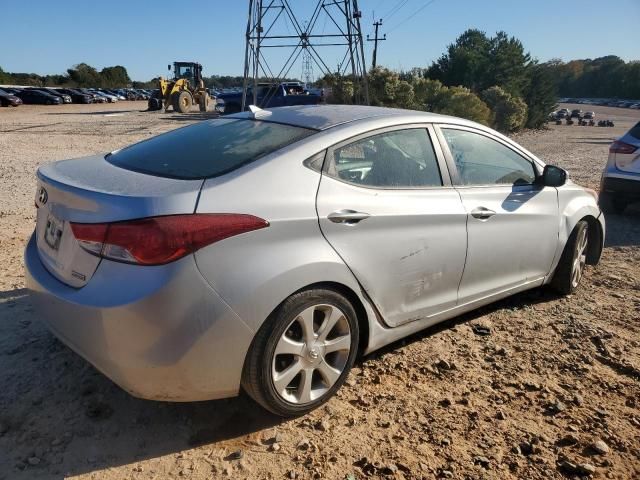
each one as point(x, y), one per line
point(48, 37)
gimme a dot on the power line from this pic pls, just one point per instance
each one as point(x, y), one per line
point(395, 9)
point(411, 16)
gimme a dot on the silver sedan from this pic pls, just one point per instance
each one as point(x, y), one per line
point(266, 250)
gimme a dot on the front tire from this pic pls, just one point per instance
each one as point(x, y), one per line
point(303, 352)
point(182, 102)
point(573, 261)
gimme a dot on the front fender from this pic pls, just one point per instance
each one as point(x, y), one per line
point(575, 204)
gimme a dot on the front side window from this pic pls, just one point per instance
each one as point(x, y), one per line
point(481, 160)
point(397, 159)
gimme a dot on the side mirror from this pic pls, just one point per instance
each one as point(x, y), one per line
point(553, 176)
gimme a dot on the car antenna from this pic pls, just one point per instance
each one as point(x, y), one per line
point(259, 112)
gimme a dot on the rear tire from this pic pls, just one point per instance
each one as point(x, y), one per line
point(303, 352)
point(572, 263)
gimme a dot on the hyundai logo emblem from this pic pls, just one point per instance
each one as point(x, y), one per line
point(42, 196)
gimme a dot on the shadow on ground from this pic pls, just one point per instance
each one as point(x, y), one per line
point(57, 407)
point(624, 230)
point(102, 112)
point(100, 426)
point(190, 117)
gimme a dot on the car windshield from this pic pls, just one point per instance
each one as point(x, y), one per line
point(207, 149)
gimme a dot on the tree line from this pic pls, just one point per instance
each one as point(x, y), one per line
point(81, 75)
point(494, 81)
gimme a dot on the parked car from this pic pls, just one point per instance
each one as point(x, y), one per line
point(56, 93)
point(37, 97)
point(576, 113)
point(588, 115)
point(107, 96)
point(270, 95)
point(94, 96)
point(375, 223)
point(562, 113)
point(9, 99)
point(115, 93)
point(77, 96)
point(620, 184)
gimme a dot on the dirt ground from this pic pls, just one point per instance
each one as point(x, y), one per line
point(551, 389)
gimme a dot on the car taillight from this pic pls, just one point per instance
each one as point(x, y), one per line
point(621, 147)
point(159, 240)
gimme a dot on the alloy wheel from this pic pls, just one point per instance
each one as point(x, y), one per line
point(311, 354)
point(579, 259)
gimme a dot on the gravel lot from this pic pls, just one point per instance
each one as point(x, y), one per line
point(552, 391)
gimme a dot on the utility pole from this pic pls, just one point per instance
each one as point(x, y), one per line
point(376, 40)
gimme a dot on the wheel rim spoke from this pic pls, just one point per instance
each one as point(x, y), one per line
point(330, 321)
point(306, 322)
point(287, 346)
point(329, 374)
point(283, 379)
point(338, 344)
point(304, 389)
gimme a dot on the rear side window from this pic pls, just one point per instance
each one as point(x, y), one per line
point(396, 159)
point(207, 149)
point(635, 131)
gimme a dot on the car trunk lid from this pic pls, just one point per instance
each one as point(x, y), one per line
point(91, 190)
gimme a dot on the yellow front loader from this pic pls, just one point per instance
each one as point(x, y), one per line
point(184, 90)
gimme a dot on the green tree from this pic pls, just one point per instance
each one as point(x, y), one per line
point(388, 90)
point(541, 95)
point(114, 77)
point(509, 112)
point(465, 63)
point(508, 64)
point(461, 102)
point(84, 75)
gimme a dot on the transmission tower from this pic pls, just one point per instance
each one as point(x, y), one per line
point(307, 69)
point(273, 24)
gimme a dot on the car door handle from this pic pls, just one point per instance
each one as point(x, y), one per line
point(348, 217)
point(482, 213)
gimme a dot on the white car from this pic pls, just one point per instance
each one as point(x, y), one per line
point(620, 183)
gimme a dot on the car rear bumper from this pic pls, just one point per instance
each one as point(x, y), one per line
point(160, 333)
point(628, 187)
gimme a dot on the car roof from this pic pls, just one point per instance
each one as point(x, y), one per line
point(322, 117)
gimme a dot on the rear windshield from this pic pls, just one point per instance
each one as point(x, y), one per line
point(635, 131)
point(207, 149)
